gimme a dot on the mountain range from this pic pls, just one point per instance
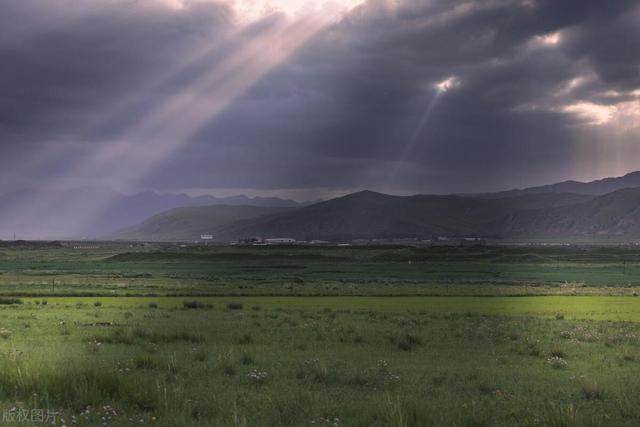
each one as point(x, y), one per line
point(594, 188)
point(608, 208)
point(122, 210)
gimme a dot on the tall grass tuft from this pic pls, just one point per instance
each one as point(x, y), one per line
point(227, 363)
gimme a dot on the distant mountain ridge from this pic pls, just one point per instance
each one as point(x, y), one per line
point(608, 207)
point(539, 212)
point(368, 215)
point(615, 214)
point(121, 211)
point(189, 223)
point(362, 215)
point(595, 188)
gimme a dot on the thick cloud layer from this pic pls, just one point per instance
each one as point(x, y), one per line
point(404, 96)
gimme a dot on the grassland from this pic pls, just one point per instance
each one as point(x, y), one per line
point(259, 366)
point(123, 270)
point(168, 336)
point(615, 308)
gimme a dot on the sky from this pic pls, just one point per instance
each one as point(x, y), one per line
point(309, 99)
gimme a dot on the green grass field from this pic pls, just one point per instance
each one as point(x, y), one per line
point(576, 307)
point(320, 337)
point(118, 269)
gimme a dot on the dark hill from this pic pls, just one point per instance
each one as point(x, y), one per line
point(189, 223)
point(614, 214)
point(367, 215)
point(595, 188)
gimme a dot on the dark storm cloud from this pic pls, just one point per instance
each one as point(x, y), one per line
point(65, 63)
point(344, 113)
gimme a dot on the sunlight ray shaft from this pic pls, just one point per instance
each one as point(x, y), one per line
point(413, 140)
point(167, 128)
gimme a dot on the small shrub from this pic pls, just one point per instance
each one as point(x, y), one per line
point(5, 333)
point(235, 306)
point(313, 370)
point(613, 341)
point(408, 342)
point(628, 357)
point(529, 347)
point(247, 359)
point(200, 355)
point(158, 337)
point(10, 301)
point(487, 387)
point(557, 362)
point(245, 339)
point(439, 379)
point(590, 389)
point(144, 361)
point(256, 308)
point(97, 304)
point(44, 302)
point(196, 305)
point(227, 363)
point(559, 316)
point(153, 305)
point(556, 352)
point(117, 336)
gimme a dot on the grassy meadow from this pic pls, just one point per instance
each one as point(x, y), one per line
point(123, 335)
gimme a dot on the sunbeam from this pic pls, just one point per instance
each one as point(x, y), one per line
point(440, 88)
point(169, 126)
point(405, 152)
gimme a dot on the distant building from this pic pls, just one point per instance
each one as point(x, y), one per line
point(472, 241)
point(248, 241)
point(279, 241)
point(206, 237)
point(319, 242)
point(458, 241)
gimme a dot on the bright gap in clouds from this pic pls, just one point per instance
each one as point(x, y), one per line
point(253, 10)
point(591, 113)
point(446, 84)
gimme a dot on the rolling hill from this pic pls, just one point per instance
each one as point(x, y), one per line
point(367, 215)
point(564, 210)
point(188, 223)
point(362, 215)
point(595, 188)
point(614, 214)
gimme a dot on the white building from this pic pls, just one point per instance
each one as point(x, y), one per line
point(279, 241)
